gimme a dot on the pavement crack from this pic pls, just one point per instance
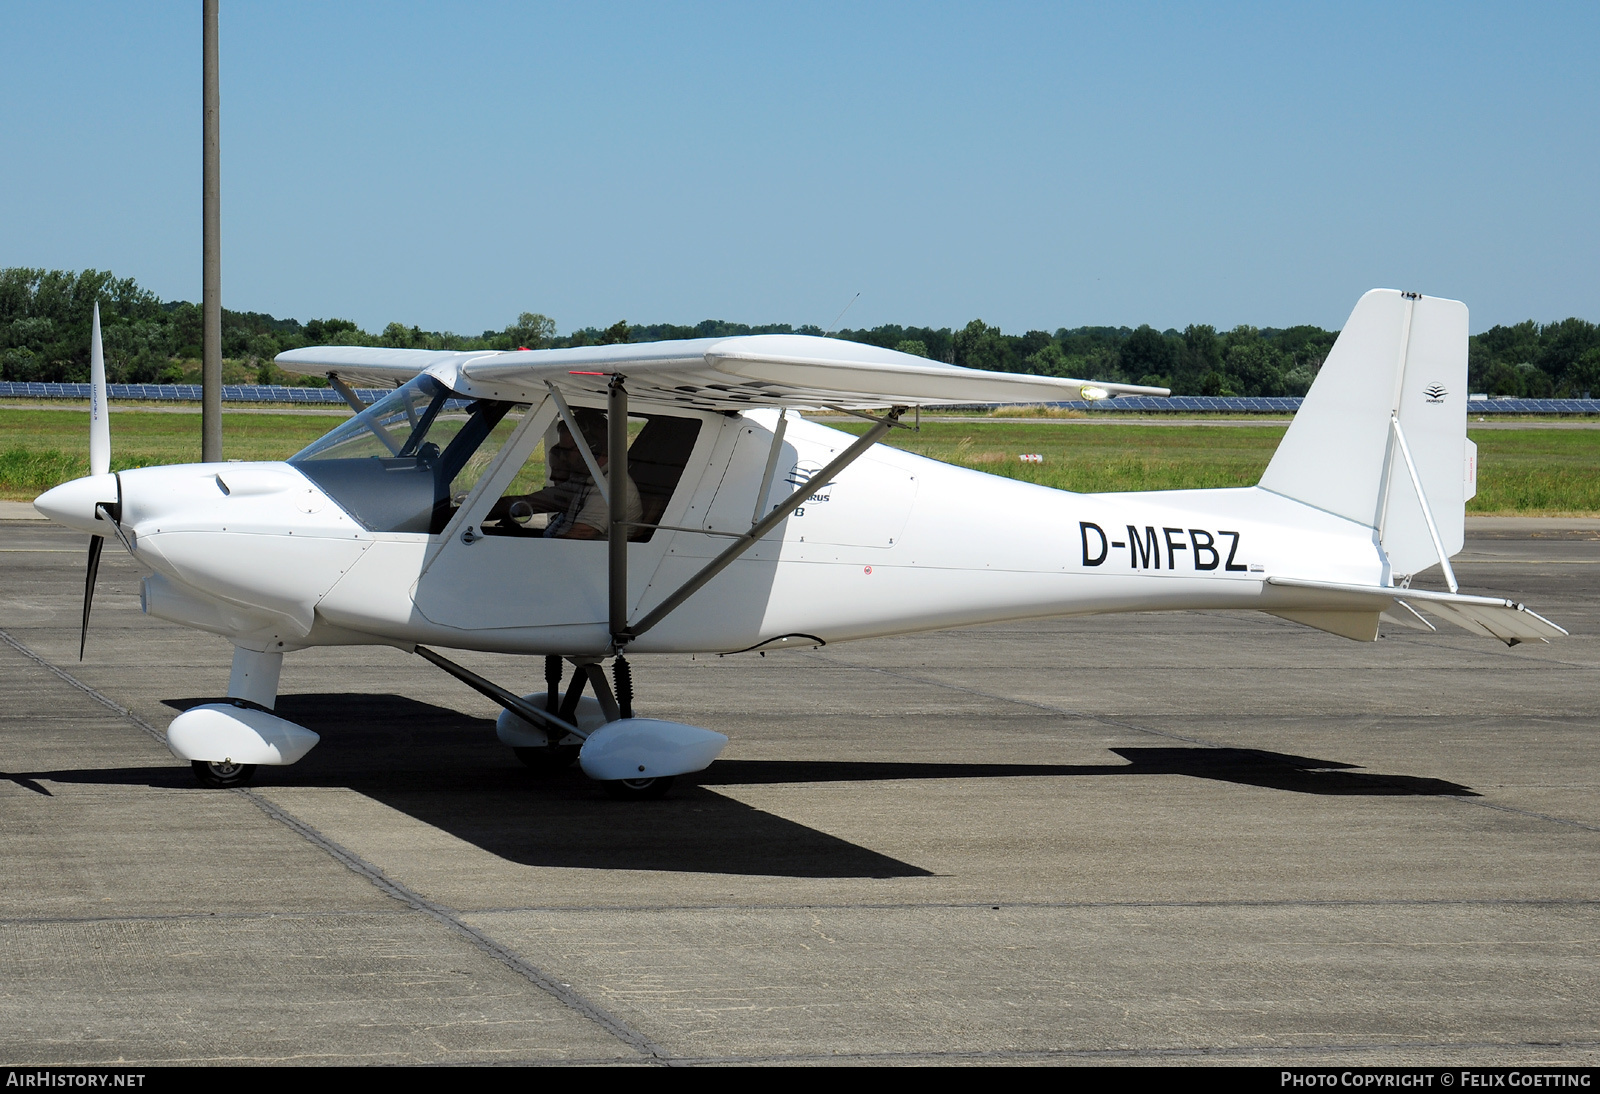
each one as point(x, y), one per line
point(98, 696)
point(448, 917)
point(414, 900)
point(1523, 812)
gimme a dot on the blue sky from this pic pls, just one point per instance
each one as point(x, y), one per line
point(1038, 166)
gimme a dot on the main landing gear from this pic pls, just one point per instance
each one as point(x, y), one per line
point(638, 790)
point(633, 759)
point(560, 750)
point(222, 775)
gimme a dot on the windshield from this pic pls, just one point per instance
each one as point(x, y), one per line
point(407, 461)
point(396, 425)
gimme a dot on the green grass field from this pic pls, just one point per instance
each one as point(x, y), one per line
point(40, 448)
point(1524, 471)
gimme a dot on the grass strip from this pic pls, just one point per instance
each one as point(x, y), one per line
point(1521, 472)
point(1525, 472)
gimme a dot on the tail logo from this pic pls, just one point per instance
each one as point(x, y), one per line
point(1435, 393)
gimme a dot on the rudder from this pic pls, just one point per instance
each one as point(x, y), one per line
point(1400, 357)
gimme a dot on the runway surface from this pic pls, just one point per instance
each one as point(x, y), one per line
point(1187, 837)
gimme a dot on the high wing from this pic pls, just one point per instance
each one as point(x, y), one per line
point(763, 370)
point(362, 366)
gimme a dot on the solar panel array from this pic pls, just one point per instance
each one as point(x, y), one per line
point(187, 393)
point(1191, 404)
point(1214, 404)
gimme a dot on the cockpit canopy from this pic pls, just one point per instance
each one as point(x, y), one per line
point(409, 461)
point(404, 463)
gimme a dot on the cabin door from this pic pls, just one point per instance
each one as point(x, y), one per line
point(495, 568)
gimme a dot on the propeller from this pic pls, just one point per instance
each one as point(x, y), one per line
point(95, 544)
point(99, 413)
point(99, 464)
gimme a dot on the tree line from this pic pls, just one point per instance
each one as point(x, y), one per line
point(45, 325)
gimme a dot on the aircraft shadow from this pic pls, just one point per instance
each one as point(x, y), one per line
point(447, 770)
point(1246, 766)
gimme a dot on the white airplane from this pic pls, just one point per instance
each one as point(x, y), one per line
point(743, 526)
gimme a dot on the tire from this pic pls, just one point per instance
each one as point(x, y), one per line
point(550, 759)
point(638, 790)
point(222, 775)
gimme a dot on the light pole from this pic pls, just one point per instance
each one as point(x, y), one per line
point(211, 291)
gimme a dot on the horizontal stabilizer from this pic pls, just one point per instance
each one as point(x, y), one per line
point(1487, 615)
point(1360, 625)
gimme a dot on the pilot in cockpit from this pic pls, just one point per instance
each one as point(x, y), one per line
point(576, 506)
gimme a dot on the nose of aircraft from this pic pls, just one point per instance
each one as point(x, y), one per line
point(73, 503)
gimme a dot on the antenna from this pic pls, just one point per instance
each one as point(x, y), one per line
point(840, 316)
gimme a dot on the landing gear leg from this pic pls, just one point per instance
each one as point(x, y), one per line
point(553, 757)
point(254, 678)
point(552, 683)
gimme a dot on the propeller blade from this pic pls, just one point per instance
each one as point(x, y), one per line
point(99, 412)
point(95, 545)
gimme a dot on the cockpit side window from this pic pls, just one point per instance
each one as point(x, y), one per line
point(405, 463)
point(656, 459)
point(554, 492)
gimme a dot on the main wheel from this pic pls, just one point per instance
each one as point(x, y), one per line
point(550, 759)
point(222, 775)
point(638, 790)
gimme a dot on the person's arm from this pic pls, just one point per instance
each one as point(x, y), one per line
point(550, 499)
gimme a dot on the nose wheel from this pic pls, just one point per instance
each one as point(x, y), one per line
point(222, 775)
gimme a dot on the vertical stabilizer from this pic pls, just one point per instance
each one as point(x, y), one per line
point(1398, 371)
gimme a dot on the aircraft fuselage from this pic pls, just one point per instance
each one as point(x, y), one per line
point(896, 543)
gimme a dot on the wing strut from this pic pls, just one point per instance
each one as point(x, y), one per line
point(772, 464)
point(491, 690)
point(621, 637)
point(346, 392)
point(617, 504)
point(582, 442)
